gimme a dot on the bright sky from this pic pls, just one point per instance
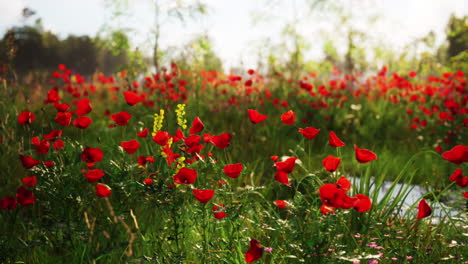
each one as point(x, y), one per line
point(230, 24)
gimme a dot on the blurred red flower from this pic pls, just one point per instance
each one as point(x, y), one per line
point(457, 154)
point(25, 196)
point(103, 190)
point(121, 118)
point(255, 117)
point(255, 251)
point(423, 209)
point(26, 118)
point(288, 118)
point(28, 161)
point(29, 181)
point(221, 141)
point(82, 122)
point(130, 146)
point(8, 203)
point(364, 155)
point(334, 141)
point(309, 132)
point(233, 170)
point(331, 163)
point(93, 175)
point(197, 126)
point(185, 176)
point(203, 196)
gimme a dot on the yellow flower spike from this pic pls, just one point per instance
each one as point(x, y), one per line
point(158, 122)
point(180, 112)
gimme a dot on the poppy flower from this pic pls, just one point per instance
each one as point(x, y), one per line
point(221, 141)
point(28, 161)
point(161, 138)
point(465, 194)
point(288, 118)
point(217, 211)
point(281, 204)
point(192, 140)
point(309, 132)
point(58, 144)
point(331, 163)
point(255, 251)
point(203, 196)
point(334, 141)
point(330, 194)
point(457, 154)
point(8, 203)
point(121, 118)
point(255, 116)
point(49, 163)
point(29, 181)
point(343, 183)
point(274, 158)
point(197, 126)
point(91, 155)
point(52, 97)
point(143, 133)
point(324, 209)
point(148, 181)
point(84, 107)
point(25, 196)
point(132, 98)
point(26, 118)
point(93, 175)
point(287, 165)
point(233, 170)
point(82, 122)
point(364, 155)
point(42, 146)
point(63, 107)
point(130, 146)
point(63, 119)
point(53, 135)
point(282, 177)
point(363, 203)
point(424, 210)
point(103, 190)
point(142, 160)
point(185, 176)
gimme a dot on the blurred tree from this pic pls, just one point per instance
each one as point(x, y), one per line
point(79, 53)
point(198, 53)
point(457, 35)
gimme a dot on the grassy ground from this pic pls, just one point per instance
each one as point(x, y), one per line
point(164, 223)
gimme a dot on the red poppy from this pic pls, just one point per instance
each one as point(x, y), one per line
point(309, 132)
point(26, 118)
point(203, 196)
point(30, 181)
point(53, 135)
point(457, 154)
point(84, 107)
point(255, 116)
point(185, 176)
point(148, 181)
point(121, 118)
point(63, 107)
point(93, 175)
point(49, 163)
point(82, 122)
point(363, 203)
point(221, 141)
point(282, 177)
point(58, 144)
point(364, 155)
point(233, 170)
point(217, 211)
point(324, 210)
point(133, 98)
point(424, 210)
point(255, 251)
point(8, 203)
point(192, 140)
point(63, 119)
point(142, 160)
point(343, 183)
point(465, 194)
point(331, 195)
point(161, 138)
point(25, 196)
point(287, 165)
point(274, 158)
point(143, 133)
point(331, 163)
point(334, 141)
point(52, 97)
point(42, 146)
point(28, 161)
point(281, 204)
point(288, 118)
point(130, 146)
point(197, 126)
point(103, 190)
point(91, 155)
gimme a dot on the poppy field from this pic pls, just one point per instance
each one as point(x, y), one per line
point(194, 166)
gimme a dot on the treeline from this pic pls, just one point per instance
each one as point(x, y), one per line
point(28, 48)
